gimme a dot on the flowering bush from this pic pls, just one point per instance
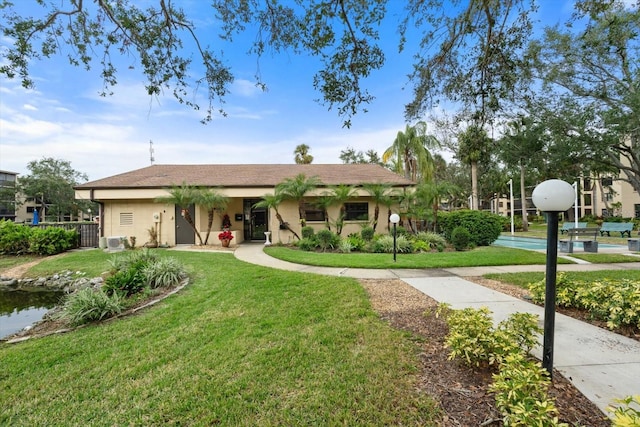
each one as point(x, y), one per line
point(225, 235)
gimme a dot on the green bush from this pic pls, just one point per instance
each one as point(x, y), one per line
point(52, 240)
point(367, 233)
point(138, 259)
point(327, 240)
point(521, 392)
point(384, 244)
point(616, 302)
point(307, 232)
point(626, 413)
point(88, 305)
point(14, 238)
point(433, 240)
point(356, 242)
point(485, 227)
point(164, 272)
point(345, 246)
point(307, 244)
point(460, 238)
point(125, 282)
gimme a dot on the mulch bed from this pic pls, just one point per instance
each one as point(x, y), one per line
point(461, 391)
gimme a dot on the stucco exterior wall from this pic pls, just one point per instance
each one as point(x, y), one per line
point(142, 218)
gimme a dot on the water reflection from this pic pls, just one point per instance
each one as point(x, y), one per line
point(19, 309)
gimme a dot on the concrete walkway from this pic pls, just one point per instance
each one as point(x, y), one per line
point(601, 364)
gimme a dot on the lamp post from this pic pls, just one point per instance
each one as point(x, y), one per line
point(394, 218)
point(552, 197)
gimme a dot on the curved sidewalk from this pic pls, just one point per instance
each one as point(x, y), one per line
point(603, 365)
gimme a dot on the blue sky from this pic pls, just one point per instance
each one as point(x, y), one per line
point(65, 118)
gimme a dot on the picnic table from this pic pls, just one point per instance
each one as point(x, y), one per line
point(621, 227)
point(588, 237)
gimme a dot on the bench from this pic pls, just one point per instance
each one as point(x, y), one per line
point(621, 227)
point(566, 226)
point(589, 244)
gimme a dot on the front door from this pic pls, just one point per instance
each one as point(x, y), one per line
point(256, 220)
point(184, 233)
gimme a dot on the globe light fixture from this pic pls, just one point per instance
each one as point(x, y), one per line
point(395, 219)
point(551, 197)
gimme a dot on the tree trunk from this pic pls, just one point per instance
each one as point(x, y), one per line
point(523, 198)
point(474, 186)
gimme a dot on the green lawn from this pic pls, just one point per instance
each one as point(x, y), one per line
point(241, 345)
point(523, 279)
point(481, 256)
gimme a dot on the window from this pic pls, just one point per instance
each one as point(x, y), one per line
point(587, 184)
point(587, 199)
point(126, 218)
point(607, 182)
point(356, 211)
point(312, 213)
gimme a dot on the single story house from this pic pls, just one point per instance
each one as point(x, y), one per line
point(129, 206)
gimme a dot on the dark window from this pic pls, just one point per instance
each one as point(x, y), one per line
point(587, 199)
point(356, 211)
point(607, 181)
point(30, 209)
point(587, 184)
point(313, 213)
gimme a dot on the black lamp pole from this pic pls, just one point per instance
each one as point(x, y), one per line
point(394, 242)
point(550, 292)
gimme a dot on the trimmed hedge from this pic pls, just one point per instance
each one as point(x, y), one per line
point(484, 227)
point(20, 239)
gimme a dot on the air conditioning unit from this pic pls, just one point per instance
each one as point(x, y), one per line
point(156, 217)
point(115, 243)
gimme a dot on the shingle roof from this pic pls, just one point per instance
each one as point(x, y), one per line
point(256, 175)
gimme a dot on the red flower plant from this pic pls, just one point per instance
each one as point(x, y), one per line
point(225, 235)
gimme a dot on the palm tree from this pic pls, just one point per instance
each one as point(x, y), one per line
point(379, 194)
point(323, 202)
point(302, 156)
point(411, 149)
point(295, 189)
point(211, 200)
point(182, 196)
point(272, 201)
point(342, 193)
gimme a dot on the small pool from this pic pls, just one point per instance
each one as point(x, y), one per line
point(534, 244)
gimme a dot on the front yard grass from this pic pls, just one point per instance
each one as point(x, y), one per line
point(523, 279)
point(481, 256)
point(241, 345)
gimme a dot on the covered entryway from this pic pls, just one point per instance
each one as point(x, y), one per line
point(184, 233)
point(256, 220)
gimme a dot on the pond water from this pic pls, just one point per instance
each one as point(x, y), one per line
point(22, 308)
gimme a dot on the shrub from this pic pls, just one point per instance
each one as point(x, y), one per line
point(327, 240)
point(307, 232)
point(616, 302)
point(385, 244)
point(52, 240)
point(163, 273)
point(14, 238)
point(125, 282)
point(521, 392)
point(88, 305)
point(433, 240)
point(367, 233)
point(357, 242)
point(627, 413)
point(134, 258)
point(345, 246)
point(484, 227)
point(307, 244)
point(460, 238)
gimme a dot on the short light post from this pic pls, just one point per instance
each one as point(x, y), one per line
point(394, 218)
point(552, 197)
